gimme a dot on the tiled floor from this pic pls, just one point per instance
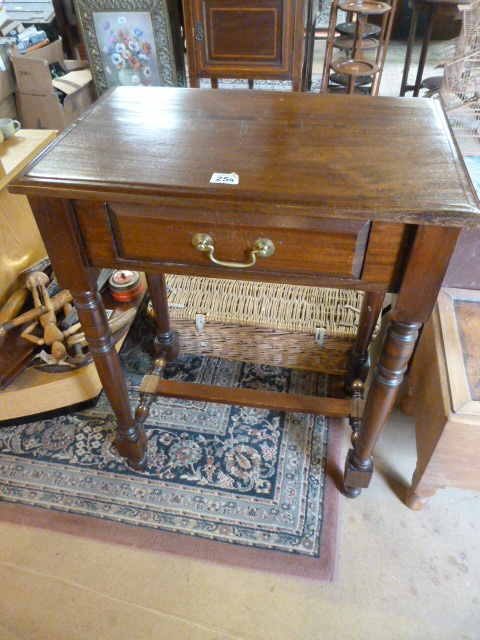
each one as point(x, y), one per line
point(402, 574)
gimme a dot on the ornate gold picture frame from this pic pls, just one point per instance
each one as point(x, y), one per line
point(132, 42)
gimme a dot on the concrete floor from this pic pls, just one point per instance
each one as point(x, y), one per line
point(401, 575)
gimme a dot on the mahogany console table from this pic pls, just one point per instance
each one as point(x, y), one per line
point(129, 186)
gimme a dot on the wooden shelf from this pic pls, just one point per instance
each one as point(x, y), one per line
point(346, 43)
point(350, 67)
point(348, 29)
point(342, 80)
point(365, 7)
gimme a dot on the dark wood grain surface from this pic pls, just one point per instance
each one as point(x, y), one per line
point(379, 159)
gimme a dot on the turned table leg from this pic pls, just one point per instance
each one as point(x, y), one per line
point(369, 312)
point(130, 438)
point(392, 364)
point(58, 227)
point(166, 341)
point(427, 263)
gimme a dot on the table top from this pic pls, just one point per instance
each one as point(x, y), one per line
point(391, 159)
point(17, 152)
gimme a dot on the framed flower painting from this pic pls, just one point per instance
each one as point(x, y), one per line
point(132, 42)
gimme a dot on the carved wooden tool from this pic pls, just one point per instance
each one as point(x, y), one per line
point(27, 281)
point(18, 298)
point(52, 335)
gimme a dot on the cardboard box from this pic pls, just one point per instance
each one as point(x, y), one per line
point(6, 75)
point(8, 107)
point(32, 73)
point(37, 101)
point(6, 88)
point(46, 112)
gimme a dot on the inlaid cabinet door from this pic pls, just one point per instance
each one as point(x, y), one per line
point(235, 39)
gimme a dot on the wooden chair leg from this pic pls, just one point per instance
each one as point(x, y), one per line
point(423, 53)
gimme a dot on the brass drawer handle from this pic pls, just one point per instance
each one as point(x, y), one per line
point(263, 247)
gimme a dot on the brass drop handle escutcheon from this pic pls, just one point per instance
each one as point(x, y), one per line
point(263, 247)
point(198, 32)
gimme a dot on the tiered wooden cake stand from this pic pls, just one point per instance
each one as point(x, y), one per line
point(357, 73)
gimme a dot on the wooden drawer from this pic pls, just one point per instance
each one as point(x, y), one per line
point(303, 245)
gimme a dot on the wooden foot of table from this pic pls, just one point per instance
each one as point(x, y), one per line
point(357, 475)
point(418, 494)
point(417, 497)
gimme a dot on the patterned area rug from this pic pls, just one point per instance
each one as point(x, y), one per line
point(249, 477)
point(323, 17)
point(260, 85)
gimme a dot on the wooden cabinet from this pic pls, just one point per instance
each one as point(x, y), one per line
point(250, 39)
point(443, 394)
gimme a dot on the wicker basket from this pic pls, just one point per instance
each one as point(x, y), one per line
point(292, 326)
